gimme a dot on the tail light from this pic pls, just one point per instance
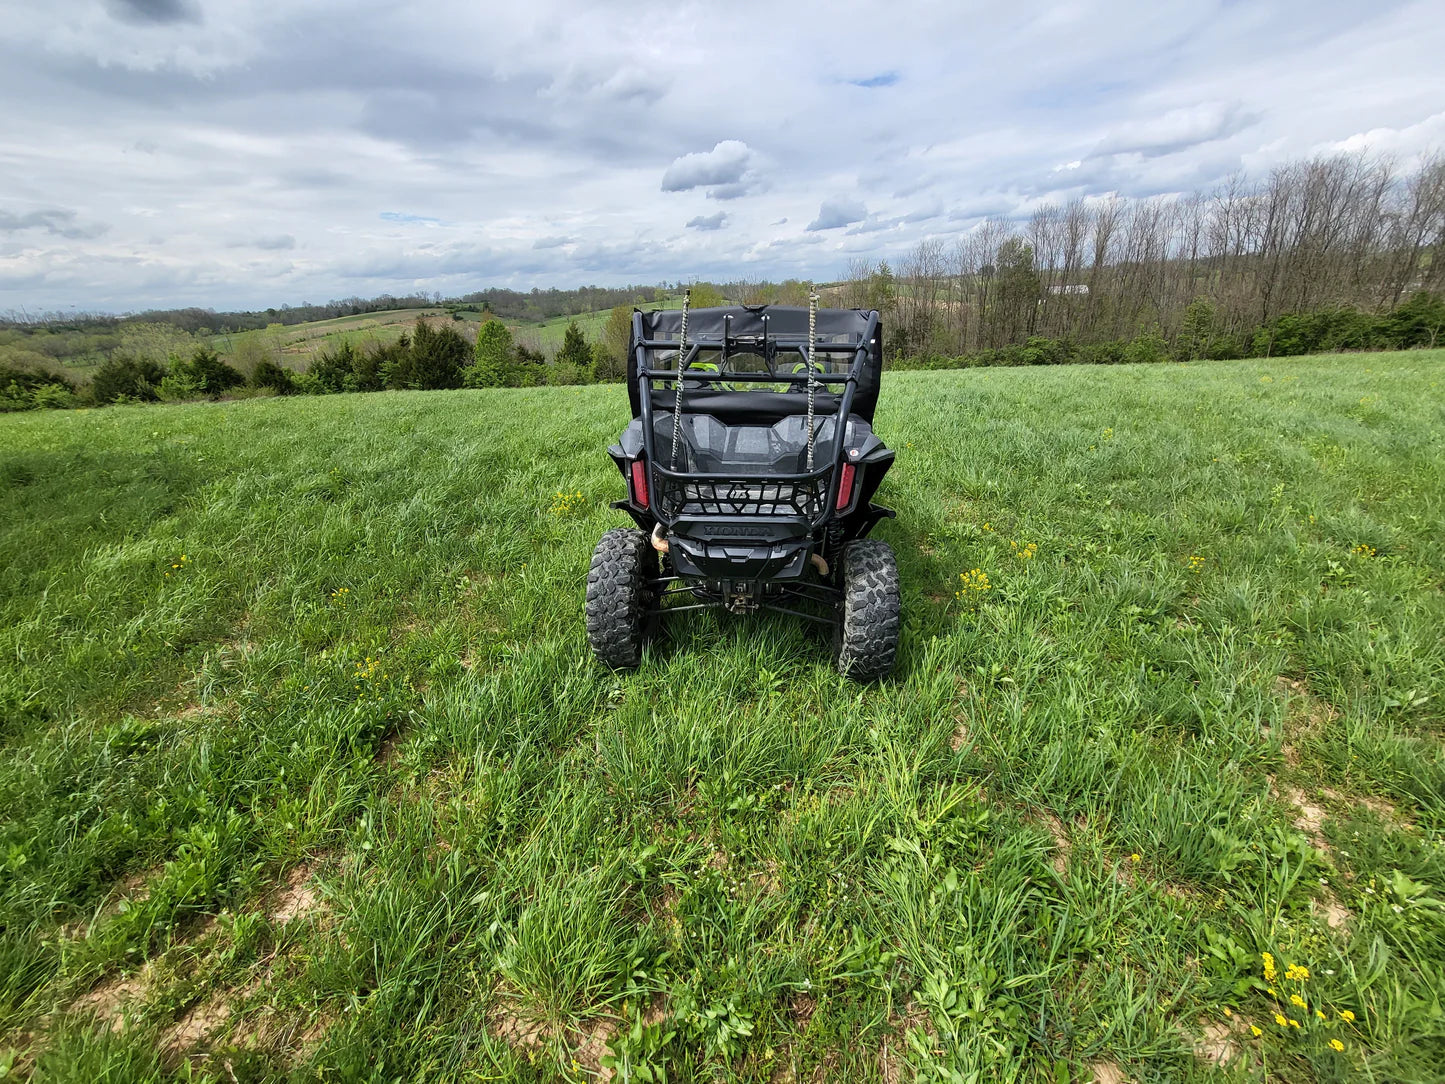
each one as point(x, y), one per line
point(845, 486)
point(638, 474)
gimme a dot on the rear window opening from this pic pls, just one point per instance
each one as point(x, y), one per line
point(709, 370)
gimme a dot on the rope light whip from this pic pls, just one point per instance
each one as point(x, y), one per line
point(677, 402)
point(812, 384)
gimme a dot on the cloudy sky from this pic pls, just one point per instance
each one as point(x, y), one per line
point(228, 153)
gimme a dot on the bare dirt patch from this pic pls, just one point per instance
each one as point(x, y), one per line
point(189, 711)
point(111, 999)
point(266, 1026)
point(1337, 915)
point(667, 912)
point(1380, 807)
point(518, 1032)
point(128, 892)
point(592, 1045)
point(1107, 1072)
point(1304, 714)
point(766, 878)
point(250, 1020)
point(389, 751)
point(1384, 809)
point(1309, 818)
point(1062, 843)
point(1217, 1044)
point(892, 1063)
point(297, 898)
point(199, 1024)
point(585, 1045)
point(961, 738)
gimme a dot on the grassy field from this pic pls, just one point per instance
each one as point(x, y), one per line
point(308, 773)
point(296, 345)
point(591, 323)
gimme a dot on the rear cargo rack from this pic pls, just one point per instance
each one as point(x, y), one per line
point(681, 493)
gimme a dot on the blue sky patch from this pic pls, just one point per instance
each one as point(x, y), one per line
point(882, 79)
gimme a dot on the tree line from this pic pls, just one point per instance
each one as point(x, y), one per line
point(209, 321)
point(431, 356)
point(1205, 273)
point(436, 356)
point(516, 305)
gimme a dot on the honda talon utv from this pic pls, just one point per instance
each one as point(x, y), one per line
point(751, 465)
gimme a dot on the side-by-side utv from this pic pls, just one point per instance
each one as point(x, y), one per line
point(751, 465)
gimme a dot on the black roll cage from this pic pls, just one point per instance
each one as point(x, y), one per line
point(769, 349)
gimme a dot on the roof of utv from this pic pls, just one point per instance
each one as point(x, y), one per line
point(783, 321)
point(786, 325)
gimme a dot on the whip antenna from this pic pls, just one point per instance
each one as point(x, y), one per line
point(812, 384)
point(677, 402)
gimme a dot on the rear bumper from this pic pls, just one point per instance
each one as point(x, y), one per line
point(741, 548)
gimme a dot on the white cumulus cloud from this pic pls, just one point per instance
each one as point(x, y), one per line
point(838, 212)
point(724, 166)
point(708, 222)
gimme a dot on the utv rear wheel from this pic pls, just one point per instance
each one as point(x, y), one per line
point(619, 596)
point(867, 639)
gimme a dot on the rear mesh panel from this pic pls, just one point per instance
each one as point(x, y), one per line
point(743, 497)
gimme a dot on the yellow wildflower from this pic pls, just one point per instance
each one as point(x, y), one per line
point(972, 584)
point(975, 579)
point(1296, 973)
point(1280, 1020)
point(1269, 971)
point(1136, 857)
point(567, 503)
point(1254, 1030)
point(1347, 1016)
point(1336, 1045)
point(1297, 1001)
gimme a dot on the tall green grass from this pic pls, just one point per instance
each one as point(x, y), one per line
point(335, 645)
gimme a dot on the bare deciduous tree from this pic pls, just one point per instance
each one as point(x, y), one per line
point(1344, 230)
